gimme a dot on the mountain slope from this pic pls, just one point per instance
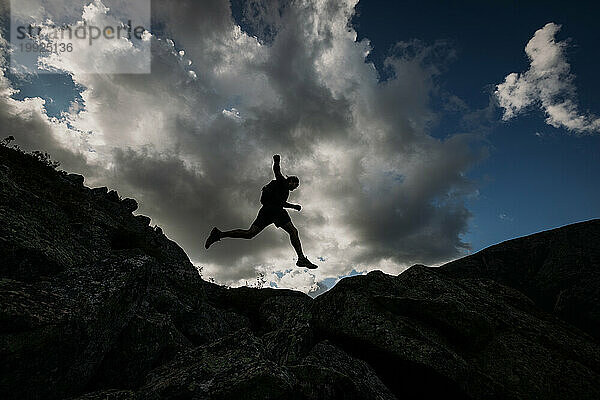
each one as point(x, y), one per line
point(558, 269)
point(95, 304)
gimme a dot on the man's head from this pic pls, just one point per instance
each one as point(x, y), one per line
point(293, 182)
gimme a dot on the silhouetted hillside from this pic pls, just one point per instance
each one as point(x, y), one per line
point(96, 304)
point(558, 269)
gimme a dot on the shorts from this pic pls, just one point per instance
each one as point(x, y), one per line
point(269, 215)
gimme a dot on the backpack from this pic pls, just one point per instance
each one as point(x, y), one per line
point(268, 194)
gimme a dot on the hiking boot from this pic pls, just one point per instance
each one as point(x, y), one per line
point(304, 263)
point(215, 236)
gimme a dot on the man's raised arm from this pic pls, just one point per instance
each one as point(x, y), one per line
point(276, 167)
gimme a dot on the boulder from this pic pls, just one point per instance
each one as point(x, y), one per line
point(129, 204)
point(113, 196)
point(75, 179)
point(143, 220)
point(100, 191)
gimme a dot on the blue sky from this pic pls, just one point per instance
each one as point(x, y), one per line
point(528, 182)
point(439, 167)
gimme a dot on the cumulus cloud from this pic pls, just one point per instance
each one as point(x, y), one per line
point(296, 278)
point(548, 84)
point(378, 192)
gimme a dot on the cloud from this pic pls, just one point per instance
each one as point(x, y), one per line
point(378, 192)
point(27, 120)
point(548, 84)
point(297, 278)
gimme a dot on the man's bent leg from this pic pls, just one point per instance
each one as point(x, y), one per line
point(294, 238)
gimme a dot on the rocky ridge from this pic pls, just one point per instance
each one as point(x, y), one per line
point(97, 304)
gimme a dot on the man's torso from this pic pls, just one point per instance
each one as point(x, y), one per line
point(276, 194)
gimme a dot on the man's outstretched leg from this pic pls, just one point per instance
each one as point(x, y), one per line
point(295, 239)
point(216, 234)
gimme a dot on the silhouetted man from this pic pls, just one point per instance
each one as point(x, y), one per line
point(273, 199)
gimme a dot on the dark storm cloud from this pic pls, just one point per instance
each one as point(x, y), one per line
point(420, 221)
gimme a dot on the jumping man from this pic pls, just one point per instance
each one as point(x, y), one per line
point(273, 199)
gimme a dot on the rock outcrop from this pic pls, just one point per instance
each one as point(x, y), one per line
point(97, 304)
point(558, 269)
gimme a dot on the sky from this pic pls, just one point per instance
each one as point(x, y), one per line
point(421, 131)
